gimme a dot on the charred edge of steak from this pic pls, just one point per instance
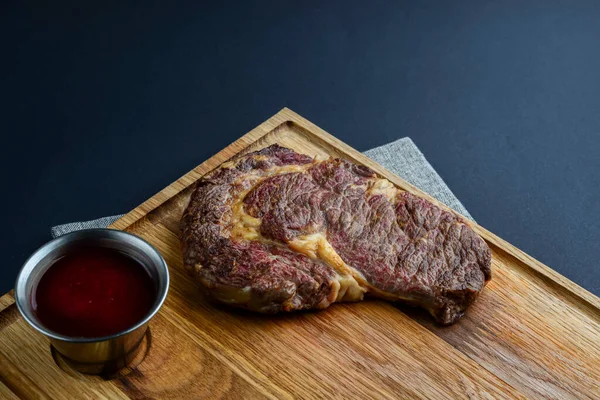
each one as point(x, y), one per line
point(405, 247)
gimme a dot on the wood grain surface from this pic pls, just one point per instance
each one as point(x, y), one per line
point(531, 334)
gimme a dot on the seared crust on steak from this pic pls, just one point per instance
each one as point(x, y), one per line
point(275, 230)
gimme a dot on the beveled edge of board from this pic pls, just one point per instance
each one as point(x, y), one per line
point(288, 116)
point(7, 300)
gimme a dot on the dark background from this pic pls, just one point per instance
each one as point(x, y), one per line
point(105, 104)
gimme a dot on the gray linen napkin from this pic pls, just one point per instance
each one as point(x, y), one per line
point(402, 157)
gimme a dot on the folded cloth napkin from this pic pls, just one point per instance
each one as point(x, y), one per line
point(402, 157)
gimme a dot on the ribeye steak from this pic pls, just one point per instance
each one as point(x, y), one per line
point(275, 230)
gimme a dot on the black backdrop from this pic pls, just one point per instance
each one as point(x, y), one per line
point(105, 104)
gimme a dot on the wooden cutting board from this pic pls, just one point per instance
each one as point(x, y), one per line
point(532, 333)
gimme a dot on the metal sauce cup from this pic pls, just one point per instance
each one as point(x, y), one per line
point(102, 354)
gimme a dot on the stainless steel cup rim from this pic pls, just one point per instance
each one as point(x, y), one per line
point(22, 277)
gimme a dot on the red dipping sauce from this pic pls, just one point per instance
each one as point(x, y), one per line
point(93, 292)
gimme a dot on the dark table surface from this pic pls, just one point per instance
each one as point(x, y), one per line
point(103, 104)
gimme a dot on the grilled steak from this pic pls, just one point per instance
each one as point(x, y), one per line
point(275, 230)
